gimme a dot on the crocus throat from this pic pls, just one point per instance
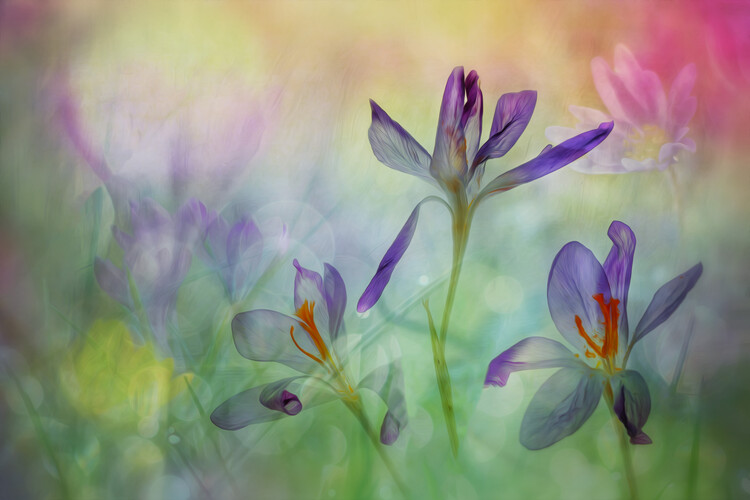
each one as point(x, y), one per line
point(605, 347)
point(307, 321)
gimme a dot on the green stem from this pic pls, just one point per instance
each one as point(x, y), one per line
point(444, 382)
point(461, 215)
point(627, 459)
point(43, 437)
point(355, 406)
point(676, 198)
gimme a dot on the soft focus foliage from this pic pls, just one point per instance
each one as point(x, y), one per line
point(256, 115)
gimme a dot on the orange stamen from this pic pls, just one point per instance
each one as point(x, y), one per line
point(611, 320)
point(305, 313)
point(586, 337)
point(311, 356)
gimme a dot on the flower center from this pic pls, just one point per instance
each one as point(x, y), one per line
point(645, 143)
point(307, 321)
point(603, 346)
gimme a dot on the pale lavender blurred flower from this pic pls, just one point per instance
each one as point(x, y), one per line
point(312, 342)
point(650, 126)
point(156, 258)
point(588, 304)
point(187, 139)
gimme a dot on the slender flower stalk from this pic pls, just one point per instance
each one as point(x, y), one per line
point(456, 168)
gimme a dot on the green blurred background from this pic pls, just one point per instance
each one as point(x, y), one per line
point(269, 103)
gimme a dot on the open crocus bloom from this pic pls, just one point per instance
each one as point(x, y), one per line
point(650, 126)
point(457, 163)
point(588, 303)
point(308, 342)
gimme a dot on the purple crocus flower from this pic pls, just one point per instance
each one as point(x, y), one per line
point(309, 342)
point(155, 261)
point(233, 251)
point(588, 303)
point(458, 160)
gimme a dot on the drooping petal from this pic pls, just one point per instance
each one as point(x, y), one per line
point(532, 353)
point(618, 266)
point(666, 300)
point(113, 280)
point(448, 165)
point(264, 335)
point(549, 161)
point(575, 277)
point(388, 382)
point(561, 406)
point(392, 257)
point(260, 404)
point(632, 403)
point(512, 115)
point(396, 148)
point(471, 120)
point(335, 294)
point(275, 396)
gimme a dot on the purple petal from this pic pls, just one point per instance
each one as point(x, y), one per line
point(531, 353)
point(275, 396)
point(632, 404)
point(259, 404)
point(335, 294)
point(666, 300)
point(113, 280)
point(682, 105)
point(561, 406)
point(388, 382)
point(392, 257)
point(308, 286)
point(192, 220)
point(512, 115)
point(471, 120)
point(148, 216)
point(448, 164)
point(244, 236)
point(263, 335)
point(575, 277)
point(395, 147)
point(618, 266)
point(550, 160)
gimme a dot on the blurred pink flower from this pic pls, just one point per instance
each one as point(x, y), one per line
point(650, 125)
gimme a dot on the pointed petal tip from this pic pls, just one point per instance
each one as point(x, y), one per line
point(641, 438)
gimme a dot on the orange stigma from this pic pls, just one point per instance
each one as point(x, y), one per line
point(611, 320)
point(305, 314)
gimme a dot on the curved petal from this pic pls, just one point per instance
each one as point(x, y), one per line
point(335, 295)
point(263, 335)
point(243, 236)
point(682, 106)
point(388, 382)
point(471, 120)
point(275, 396)
point(308, 286)
point(614, 94)
point(618, 266)
point(113, 280)
point(561, 406)
point(448, 165)
point(666, 300)
point(632, 403)
point(512, 115)
point(395, 147)
point(575, 277)
point(392, 257)
point(532, 353)
point(260, 404)
point(549, 161)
